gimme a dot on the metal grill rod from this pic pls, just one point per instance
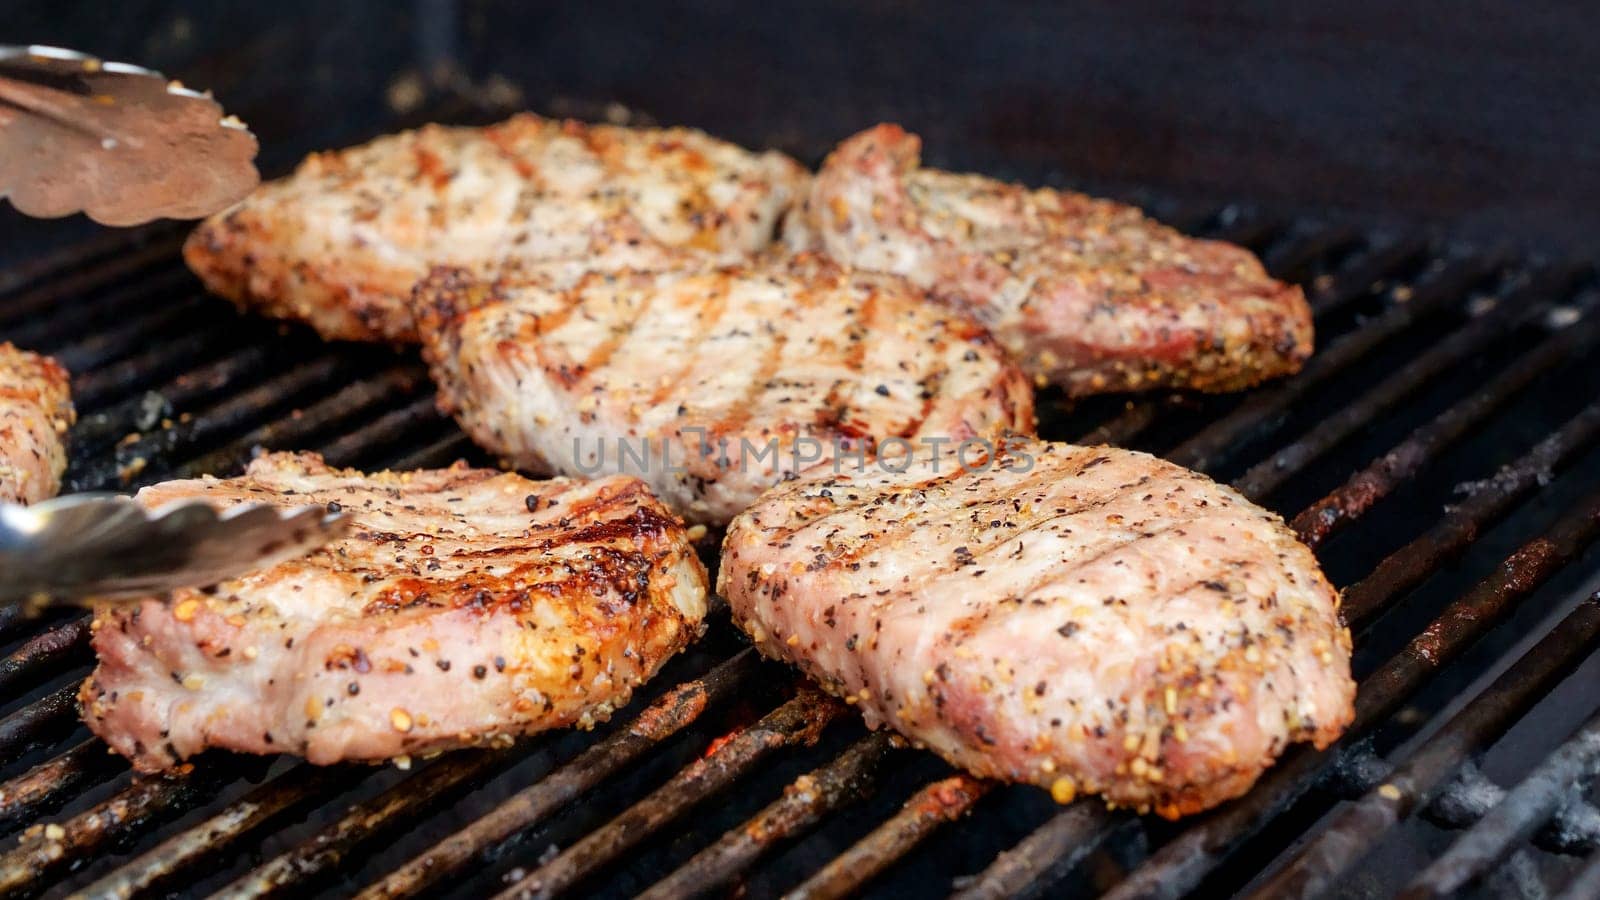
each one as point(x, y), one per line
point(99, 427)
point(675, 711)
point(945, 800)
point(363, 823)
point(1258, 413)
point(1047, 854)
point(1357, 826)
point(34, 302)
point(84, 254)
point(1514, 819)
point(183, 355)
point(1289, 260)
point(50, 715)
point(54, 648)
point(1177, 868)
point(347, 403)
point(799, 721)
point(1366, 487)
point(1122, 429)
point(390, 429)
point(1474, 339)
point(1586, 884)
point(80, 316)
point(111, 344)
point(1411, 565)
point(1346, 287)
point(38, 789)
point(443, 451)
point(189, 848)
point(1365, 276)
point(804, 803)
point(47, 849)
point(253, 405)
point(263, 401)
point(1515, 310)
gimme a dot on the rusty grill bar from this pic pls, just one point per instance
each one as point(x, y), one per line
point(1438, 364)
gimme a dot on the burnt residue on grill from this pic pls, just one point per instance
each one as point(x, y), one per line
point(675, 711)
point(798, 722)
point(941, 802)
point(47, 848)
point(1439, 452)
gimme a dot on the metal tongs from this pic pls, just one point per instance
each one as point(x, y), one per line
point(116, 141)
point(104, 547)
point(125, 145)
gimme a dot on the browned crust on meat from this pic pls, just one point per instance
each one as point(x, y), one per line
point(35, 414)
point(238, 255)
point(397, 643)
point(1090, 294)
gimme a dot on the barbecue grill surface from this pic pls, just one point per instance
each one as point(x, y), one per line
point(1439, 452)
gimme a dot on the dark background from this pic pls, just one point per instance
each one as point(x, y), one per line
point(1481, 118)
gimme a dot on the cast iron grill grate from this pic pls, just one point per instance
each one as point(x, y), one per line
point(1439, 452)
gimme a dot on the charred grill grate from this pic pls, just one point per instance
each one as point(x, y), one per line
point(1438, 365)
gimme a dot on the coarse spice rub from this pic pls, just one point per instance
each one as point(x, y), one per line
point(712, 385)
point(1088, 294)
point(463, 607)
point(340, 243)
point(35, 414)
point(1087, 619)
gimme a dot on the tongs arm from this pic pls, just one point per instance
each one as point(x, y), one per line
point(95, 546)
point(116, 141)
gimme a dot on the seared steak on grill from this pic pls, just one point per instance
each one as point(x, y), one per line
point(340, 243)
point(464, 607)
point(35, 413)
point(711, 385)
point(1088, 619)
point(1089, 294)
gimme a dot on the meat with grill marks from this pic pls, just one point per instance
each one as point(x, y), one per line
point(35, 413)
point(712, 385)
point(463, 607)
point(1089, 294)
point(341, 242)
point(1088, 619)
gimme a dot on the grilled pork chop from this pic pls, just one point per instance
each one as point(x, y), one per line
point(35, 413)
point(711, 386)
point(340, 243)
point(464, 607)
point(1088, 619)
point(1089, 294)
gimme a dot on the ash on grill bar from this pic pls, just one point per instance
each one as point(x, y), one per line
point(1418, 185)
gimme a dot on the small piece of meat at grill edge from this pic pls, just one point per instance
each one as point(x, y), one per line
point(1088, 619)
point(35, 413)
point(1089, 294)
point(463, 607)
point(340, 243)
point(714, 384)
